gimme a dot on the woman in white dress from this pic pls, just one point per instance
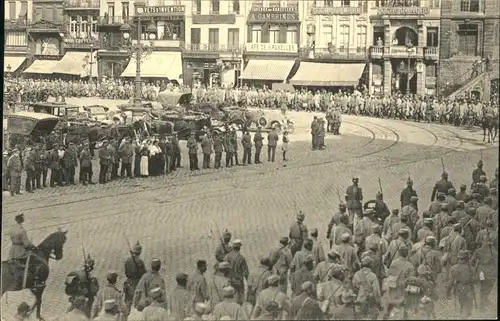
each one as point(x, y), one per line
point(145, 160)
point(284, 145)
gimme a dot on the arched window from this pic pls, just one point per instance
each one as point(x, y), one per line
point(469, 5)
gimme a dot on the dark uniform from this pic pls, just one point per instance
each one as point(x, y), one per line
point(406, 194)
point(246, 141)
point(442, 186)
point(134, 270)
point(258, 142)
point(218, 149)
point(298, 233)
point(354, 199)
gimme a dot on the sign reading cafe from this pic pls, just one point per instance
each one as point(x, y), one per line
point(273, 14)
point(271, 47)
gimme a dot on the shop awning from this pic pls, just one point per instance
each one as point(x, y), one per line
point(77, 63)
point(13, 61)
point(268, 70)
point(42, 67)
point(323, 74)
point(157, 65)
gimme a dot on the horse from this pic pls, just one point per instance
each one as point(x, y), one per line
point(490, 125)
point(38, 269)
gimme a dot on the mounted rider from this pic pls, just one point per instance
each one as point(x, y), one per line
point(21, 246)
point(82, 283)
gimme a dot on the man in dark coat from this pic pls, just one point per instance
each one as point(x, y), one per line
point(354, 200)
point(442, 186)
point(257, 139)
point(407, 193)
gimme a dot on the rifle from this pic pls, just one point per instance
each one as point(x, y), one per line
point(442, 165)
point(130, 250)
point(87, 275)
point(380, 185)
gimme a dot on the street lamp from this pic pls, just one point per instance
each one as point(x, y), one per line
point(90, 61)
point(409, 50)
point(141, 51)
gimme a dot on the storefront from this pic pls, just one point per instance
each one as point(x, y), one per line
point(169, 21)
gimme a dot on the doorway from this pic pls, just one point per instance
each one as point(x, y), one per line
point(406, 36)
point(403, 83)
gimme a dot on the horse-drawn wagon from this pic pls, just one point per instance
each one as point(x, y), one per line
point(29, 127)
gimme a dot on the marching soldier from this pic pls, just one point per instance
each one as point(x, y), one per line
point(451, 200)
point(303, 274)
point(180, 300)
point(238, 270)
point(335, 221)
point(224, 247)
point(367, 287)
point(272, 294)
point(217, 283)
point(338, 230)
point(485, 261)
point(197, 283)
point(324, 269)
point(477, 173)
point(300, 256)
point(442, 186)
point(462, 195)
point(461, 283)
point(280, 260)
point(348, 253)
point(157, 309)
point(305, 306)
point(134, 270)
point(229, 306)
point(82, 283)
point(354, 199)
point(109, 292)
point(150, 281)
point(411, 211)
point(298, 233)
point(318, 251)
point(402, 241)
point(429, 256)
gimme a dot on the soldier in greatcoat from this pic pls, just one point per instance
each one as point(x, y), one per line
point(134, 270)
point(14, 171)
point(354, 199)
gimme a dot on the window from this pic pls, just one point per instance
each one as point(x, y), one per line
point(328, 3)
point(197, 7)
point(469, 5)
point(326, 35)
point(213, 36)
point(363, 4)
point(256, 34)
point(274, 3)
point(93, 26)
point(430, 70)
point(361, 41)
point(291, 34)
point(292, 4)
point(125, 10)
point(195, 35)
point(274, 34)
point(344, 38)
point(111, 10)
point(84, 28)
point(433, 37)
point(345, 3)
point(467, 39)
point(215, 7)
point(233, 38)
point(234, 6)
point(257, 3)
point(73, 22)
point(12, 10)
point(434, 3)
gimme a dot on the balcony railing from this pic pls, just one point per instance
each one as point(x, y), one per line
point(81, 4)
point(332, 52)
point(207, 47)
point(431, 53)
point(396, 52)
point(107, 20)
point(108, 42)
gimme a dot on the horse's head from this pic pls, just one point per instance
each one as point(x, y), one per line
point(54, 244)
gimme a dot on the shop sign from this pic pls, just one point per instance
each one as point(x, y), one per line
point(271, 47)
point(273, 14)
point(403, 11)
point(164, 10)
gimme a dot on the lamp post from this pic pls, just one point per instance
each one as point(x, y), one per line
point(141, 50)
point(90, 61)
point(409, 50)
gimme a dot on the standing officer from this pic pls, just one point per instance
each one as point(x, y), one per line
point(206, 146)
point(176, 158)
point(192, 146)
point(354, 200)
point(477, 173)
point(246, 142)
point(134, 270)
point(314, 133)
point(218, 149)
point(257, 140)
point(29, 167)
point(234, 141)
point(229, 149)
point(14, 170)
point(298, 233)
point(272, 142)
point(407, 193)
point(85, 164)
point(105, 160)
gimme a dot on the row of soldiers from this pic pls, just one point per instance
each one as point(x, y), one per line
point(390, 266)
point(59, 164)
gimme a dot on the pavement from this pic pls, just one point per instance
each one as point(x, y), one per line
point(175, 217)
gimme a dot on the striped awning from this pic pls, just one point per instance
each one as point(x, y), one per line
point(157, 65)
point(77, 63)
point(14, 62)
point(268, 70)
point(324, 74)
point(42, 67)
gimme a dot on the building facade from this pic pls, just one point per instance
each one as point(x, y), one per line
point(470, 31)
point(334, 41)
point(17, 16)
point(404, 53)
point(214, 41)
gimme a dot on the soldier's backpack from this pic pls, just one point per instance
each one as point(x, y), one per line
point(72, 284)
point(393, 281)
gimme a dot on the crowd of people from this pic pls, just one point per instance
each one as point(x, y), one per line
point(380, 263)
point(456, 111)
point(57, 164)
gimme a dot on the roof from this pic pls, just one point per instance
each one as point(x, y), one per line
point(37, 116)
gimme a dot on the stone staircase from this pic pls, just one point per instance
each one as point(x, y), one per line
point(472, 80)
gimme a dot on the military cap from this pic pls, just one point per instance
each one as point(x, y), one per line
point(333, 253)
point(308, 285)
point(482, 178)
point(237, 242)
point(181, 276)
point(109, 304)
point(471, 210)
point(200, 307)
point(444, 174)
point(355, 179)
point(342, 205)
point(451, 190)
point(403, 231)
point(228, 291)
point(462, 254)
point(284, 240)
point(444, 206)
point(137, 248)
point(480, 163)
point(414, 198)
point(409, 181)
point(111, 275)
point(460, 203)
point(314, 230)
point(463, 186)
point(156, 292)
point(301, 215)
point(273, 279)
point(223, 265)
point(430, 239)
point(345, 237)
point(365, 261)
point(19, 215)
point(226, 234)
point(368, 211)
point(428, 220)
point(308, 259)
point(155, 260)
